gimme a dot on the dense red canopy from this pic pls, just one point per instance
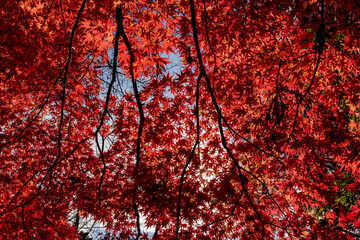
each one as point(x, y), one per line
point(210, 119)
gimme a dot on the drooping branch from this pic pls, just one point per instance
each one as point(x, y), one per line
point(63, 73)
point(320, 41)
point(306, 91)
point(121, 29)
point(190, 157)
point(208, 39)
point(64, 83)
point(222, 118)
point(136, 209)
point(107, 101)
point(119, 18)
point(23, 222)
point(100, 149)
point(229, 215)
point(215, 69)
point(223, 140)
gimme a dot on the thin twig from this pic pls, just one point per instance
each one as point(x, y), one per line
point(23, 222)
point(229, 215)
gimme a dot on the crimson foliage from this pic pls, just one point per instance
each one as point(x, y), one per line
point(254, 134)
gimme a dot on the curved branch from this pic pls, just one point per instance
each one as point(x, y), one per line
point(119, 18)
point(121, 30)
point(23, 222)
point(66, 73)
point(190, 157)
point(107, 101)
point(320, 51)
point(228, 216)
point(223, 140)
point(104, 166)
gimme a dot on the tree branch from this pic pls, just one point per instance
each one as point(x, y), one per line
point(190, 157)
point(119, 19)
point(70, 52)
point(223, 140)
